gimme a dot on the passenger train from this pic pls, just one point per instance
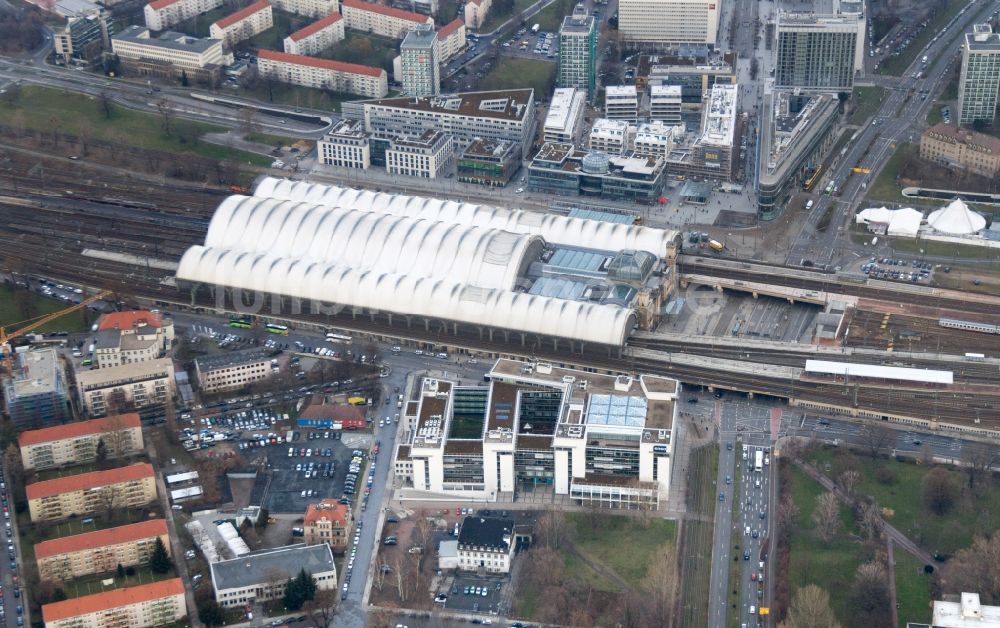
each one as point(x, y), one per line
point(984, 328)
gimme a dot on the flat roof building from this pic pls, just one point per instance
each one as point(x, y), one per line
point(226, 371)
point(979, 81)
point(610, 136)
point(621, 102)
point(420, 64)
point(668, 21)
point(656, 138)
point(562, 169)
point(261, 576)
point(427, 156)
point(141, 606)
point(169, 54)
point(562, 123)
point(36, 393)
point(86, 493)
point(128, 386)
point(578, 53)
point(100, 551)
point(76, 443)
point(817, 51)
point(489, 162)
point(347, 145)
point(965, 612)
point(339, 76)
point(665, 103)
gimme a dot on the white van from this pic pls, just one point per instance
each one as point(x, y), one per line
point(809, 204)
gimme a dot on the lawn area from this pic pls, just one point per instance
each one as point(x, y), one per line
point(934, 114)
point(50, 474)
point(521, 73)
point(885, 188)
point(284, 25)
point(93, 584)
point(868, 100)
point(271, 140)
point(551, 17)
point(297, 95)
point(624, 544)
point(496, 18)
point(10, 312)
point(365, 49)
point(43, 109)
point(898, 64)
point(200, 24)
point(913, 589)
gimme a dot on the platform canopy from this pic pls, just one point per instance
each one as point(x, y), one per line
point(879, 372)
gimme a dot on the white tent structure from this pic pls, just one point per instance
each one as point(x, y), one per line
point(897, 222)
point(956, 219)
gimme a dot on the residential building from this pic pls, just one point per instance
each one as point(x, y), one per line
point(87, 493)
point(668, 21)
point(657, 138)
point(347, 78)
point(609, 136)
point(169, 54)
point(816, 51)
point(565, 116)
point(507, 115)
point(423, 7)
point(130, 337)
point(665, 104)
point(959, 148)
point(426, 156)
point(261, 576)
point(596, 438)
point(141, 606)
point(85, 34)
point(76, 443)
point(564, 170)
point(346, 145)
point(100, 551)
point(119, 388)
point(243, 24)
point(316, 37)
point(308, 8)
point(381, 20)
point(475, 13)
point(486, 544)
point(621, 102)
point(489, 162)
point(226, 371)
point(421, 67)
point(578, 53)
point(979, 81)
point(451, 40)
point(328, 522)
point(964, 612)
point(36, 393)
point(162, 14)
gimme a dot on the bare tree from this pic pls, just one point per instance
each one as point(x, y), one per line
point(552, 530)
point(977, 568)
point(848, 481)
point(810, 608)
point(117, 437)
point(18, 123)
point(15, 469)
point(107, 104)
point(84, 133)
point(109, 499)
point(167, 113)
point(826, 516)
point(979, 459)
point(170, 416)
point(248, 121)
point(321, 609)
point(788, 512)
point(275, 579)
point(926, 455)
point(661, 588)
point(869, 520)
point(938, 489)
point(876, 437)
point(422, 527)
point(402, 586)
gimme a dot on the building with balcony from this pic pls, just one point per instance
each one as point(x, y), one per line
point(128, 386)
point(141, 606)
point(421, 75)
point(328, 521)
point(76, 443)
point(665, 104)
point(489, 162)
point(36, 393)
point(82, 494)
point(475, 13)
point(243, 24)
point(451, 40)
point(657, 138)
point(262, 576)
point(610, 136)
point(169, 54)
point(162, 14)
point(100, 551)
point(338, 76)
point(308, 8)
point(621, 102)
point(316, 37)
point(381, 20)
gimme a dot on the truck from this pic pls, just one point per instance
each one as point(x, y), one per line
point(717, 246)
point(534, 29)
point(758, 461)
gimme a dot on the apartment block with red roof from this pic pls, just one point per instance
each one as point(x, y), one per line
point(243, 24)
point(316, 37)
point(368, 17)
point(328, 521)
point(133, 486)
point(145, 605)
point(100, 551)
point(337, 76)
point(475, 13)
point(76, 443)
point(308, 8)
point(451, 40)
point(162, 14)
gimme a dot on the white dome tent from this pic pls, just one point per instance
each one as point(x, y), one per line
point(896, 222)
point(956, 219)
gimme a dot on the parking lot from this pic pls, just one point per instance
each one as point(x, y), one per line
point(475, 593)
point(897, 269)
point(542, 44)
point(315, 470)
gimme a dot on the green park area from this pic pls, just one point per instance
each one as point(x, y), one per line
point(365, 49)
point(21, 305)
point(516, 73)
point(866, 101)
point(551, 17)
point(885, 187)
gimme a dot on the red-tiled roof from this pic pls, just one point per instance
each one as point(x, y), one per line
point(450, 27)
point(391, 12)
point(160, 4)
point(93, 479)
point(329, 509)
point(129, 320)
point(58, 611)
point(243, 13)
point(101, 538)
point(80, 428)
point(326, 64)
point(318, 25)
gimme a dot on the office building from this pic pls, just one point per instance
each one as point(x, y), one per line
point(468, 116)
point(979, 81)
point(338, 76)
point(819, 52)
point(85, 34)
point(125, 387)
point(692, 67)
point(665, 104)
point(162, 14)
point(243, 24)
point(961, 149)
point(261, 576)
point(563, 170)
point(578, 53)
point(718, 132)
point(489, 162)
point(141, 606)
point(621, 102)
point(88, 493)
point(595, 438)
point(668, 21)
point(565, 115)
point(421, 68)
point(451, 40)
point(308, 8)
point(475, 13)
point(169, 54)
point(963, 611)
point(381, 20)
point(328, 521)
point(316, 37)
point(609, 136)
point(100, 551)
point(657, 138)
point(427, 155)
point(130, 337)
point(346, 145)
point(486, 544)
point(76, 443)
point(228, 371)
point(36, 393)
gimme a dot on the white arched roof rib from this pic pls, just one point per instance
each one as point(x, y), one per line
point(421, 296)
point(373, 241)
point(553, 228)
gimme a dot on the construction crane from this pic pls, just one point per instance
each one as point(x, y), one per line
point(26, 326)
